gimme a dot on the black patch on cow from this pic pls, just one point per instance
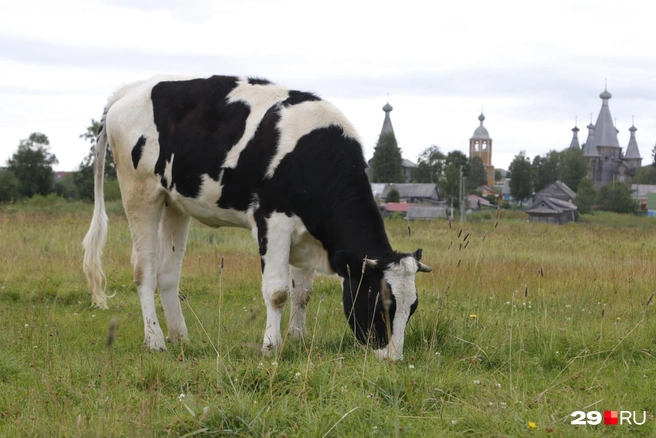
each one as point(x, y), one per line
point(296, 97)
point(258, 81)
point(323, 182)
point(242, 182)
point(262, 229)
point(137, 150)
point(198, 126)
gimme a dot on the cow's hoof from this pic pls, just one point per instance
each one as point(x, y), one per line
point(155, 345)
point(268, 350)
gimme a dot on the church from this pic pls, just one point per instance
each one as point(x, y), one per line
point(603, 151)
point(480, 145)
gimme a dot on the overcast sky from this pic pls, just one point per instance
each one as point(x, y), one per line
point(532, 66)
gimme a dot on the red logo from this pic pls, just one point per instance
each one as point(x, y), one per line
point(610, 417)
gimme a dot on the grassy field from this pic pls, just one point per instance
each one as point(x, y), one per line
point(518, 326)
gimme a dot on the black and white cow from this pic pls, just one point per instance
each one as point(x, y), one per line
point(247, 153)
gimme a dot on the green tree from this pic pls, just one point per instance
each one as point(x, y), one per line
point(477, 173)
point(9, 186)
point(450, 183)
point(616, 197)
point(521, 184)
point(429, 166)
point(393, 196)
point(459, 159)
point(32, 165)
point(498, 176)
point(585, 196)
point(545, 170)
point(386, 163)
point(83, 178)
point(573, 167)
point(65, 186)
point(645, 175)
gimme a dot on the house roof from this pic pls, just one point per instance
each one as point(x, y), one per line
point(407, 163)
point(549, 205)
point(485, 189)
point(412, 190)
point(641, 190)
point(377, 189)
point(397, 206)
point(554, 188)
point(476, 198)
point(426, 212)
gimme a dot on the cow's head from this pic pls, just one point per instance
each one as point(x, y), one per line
point(379, 297)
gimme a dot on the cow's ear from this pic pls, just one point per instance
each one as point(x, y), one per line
point(348, 265)
point(417, 254)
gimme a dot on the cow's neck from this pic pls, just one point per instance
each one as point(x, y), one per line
point(357, 226)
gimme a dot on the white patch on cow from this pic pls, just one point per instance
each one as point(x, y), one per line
point(401, 278)
point(168, 172)
point(205, 209)
point(299, 120)
point(259, 99)
point(275, 278)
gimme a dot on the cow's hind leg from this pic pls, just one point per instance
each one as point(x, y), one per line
point(173, 232)
point(144, 210)
point(301, 290)
point(275, 232)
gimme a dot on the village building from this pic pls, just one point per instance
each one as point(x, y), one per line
point(554, 204)
point(480, 145)
point(603, 151)
point(640, 192)
point(412, 193)
point(558, 190)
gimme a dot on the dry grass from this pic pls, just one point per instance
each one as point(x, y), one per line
point(517, 323)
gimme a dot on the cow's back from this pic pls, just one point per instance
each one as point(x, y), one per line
point(222, 146)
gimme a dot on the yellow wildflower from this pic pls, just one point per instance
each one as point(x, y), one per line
point(532, 425)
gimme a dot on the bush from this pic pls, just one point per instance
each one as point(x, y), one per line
point(616, 197)
point(9, 187)
point(44, 201)
point(393, 196)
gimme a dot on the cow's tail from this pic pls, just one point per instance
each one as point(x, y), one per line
point(95, 239)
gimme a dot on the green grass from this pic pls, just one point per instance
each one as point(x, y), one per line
point(517, 323)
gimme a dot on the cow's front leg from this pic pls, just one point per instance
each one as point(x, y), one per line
point(274, 237)
point(301, 290)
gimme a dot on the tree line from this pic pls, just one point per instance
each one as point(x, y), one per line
point(526, 176)
point(433, 166)
point(29, 171)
